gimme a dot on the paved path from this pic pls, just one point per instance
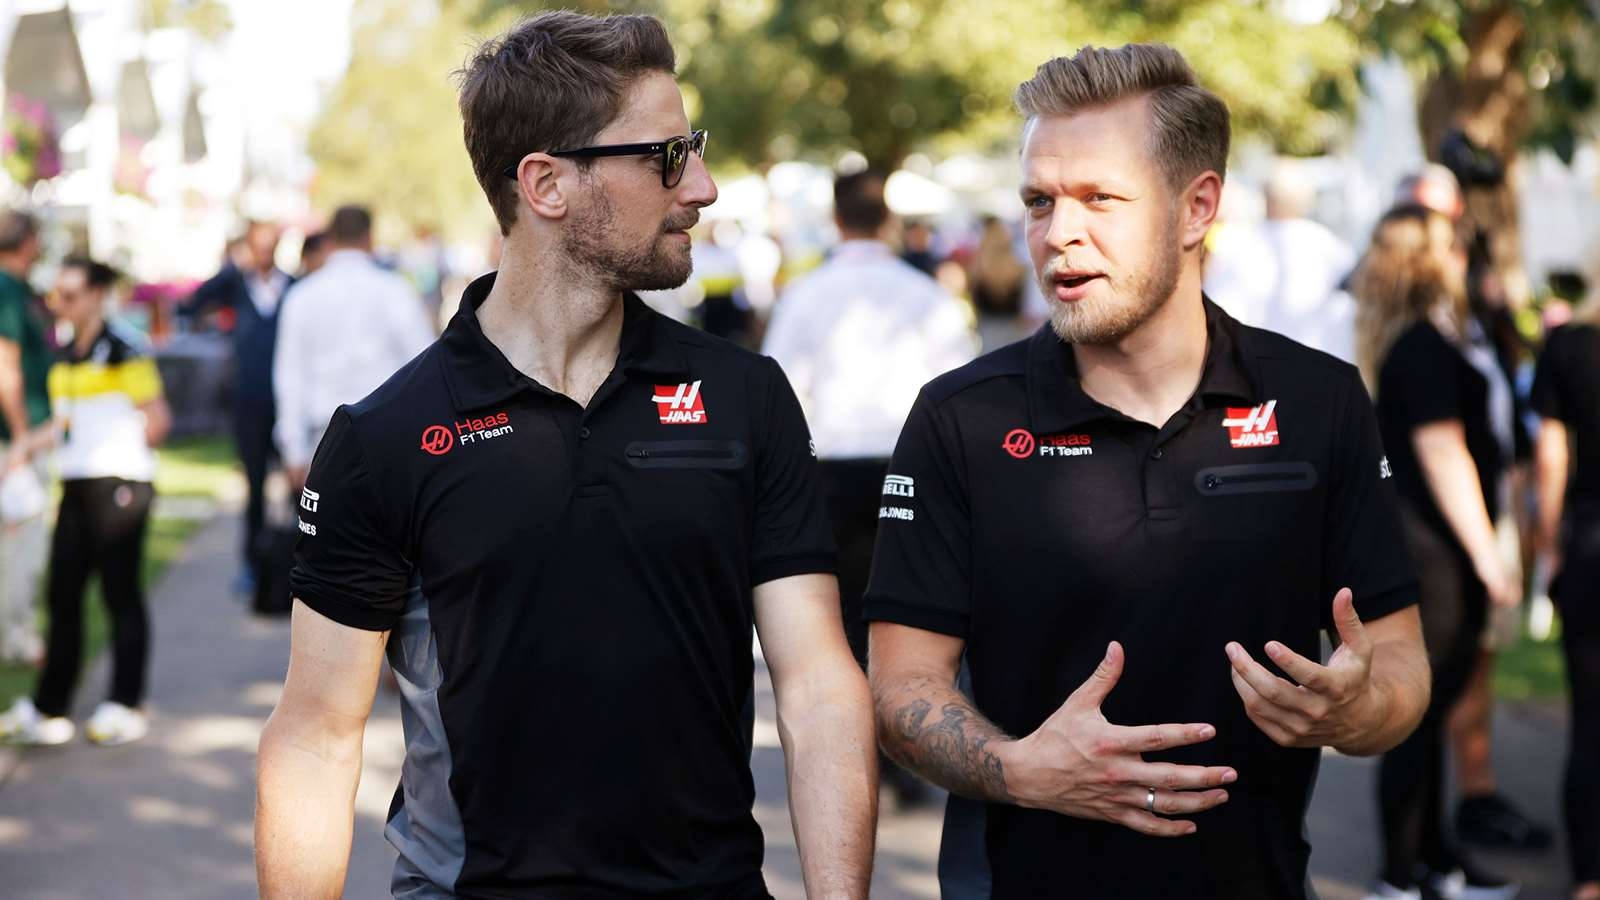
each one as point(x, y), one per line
point(170, 817)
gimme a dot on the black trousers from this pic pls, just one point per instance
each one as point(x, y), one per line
point(1577, 595)
point(100, 530)
point(252, 436)
point(1411, 778)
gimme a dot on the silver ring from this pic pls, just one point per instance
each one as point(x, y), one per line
point(1150, 799)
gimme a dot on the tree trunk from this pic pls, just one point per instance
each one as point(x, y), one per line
point(1487, 99)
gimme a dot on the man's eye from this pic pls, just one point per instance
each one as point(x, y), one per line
point(1100, 198)
point(1039, 202)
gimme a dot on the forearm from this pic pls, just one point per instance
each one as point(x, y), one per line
point(305, 810)
point(1400, 684)
point(13, 406)
point(929, 727)
point(1550, 479)
point(832, 764)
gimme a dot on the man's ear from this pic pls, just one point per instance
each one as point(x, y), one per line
point(1198, 210)
point(539, 183)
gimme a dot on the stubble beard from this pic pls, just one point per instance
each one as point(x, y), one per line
point(1130, 301)
point(591, 243)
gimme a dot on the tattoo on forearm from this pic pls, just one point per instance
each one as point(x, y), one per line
point(951, 750)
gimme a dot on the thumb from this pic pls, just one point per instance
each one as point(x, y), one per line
point(1351, 632)
point(1094, 691)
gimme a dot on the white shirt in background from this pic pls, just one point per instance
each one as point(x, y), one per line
point(858, 338)
point(343, 331)
point(1284, 276)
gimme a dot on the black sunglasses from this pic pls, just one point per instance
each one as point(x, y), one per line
point(674, 152)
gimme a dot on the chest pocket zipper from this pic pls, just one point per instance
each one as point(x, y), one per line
point(685, 454)
point(1256, 478)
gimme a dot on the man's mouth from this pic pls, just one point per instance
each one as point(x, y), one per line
point(1076, 279)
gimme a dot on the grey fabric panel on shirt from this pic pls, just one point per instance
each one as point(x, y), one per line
point(426, 829)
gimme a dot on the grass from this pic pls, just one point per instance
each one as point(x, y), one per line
point(196, 469)
point(1531, 670)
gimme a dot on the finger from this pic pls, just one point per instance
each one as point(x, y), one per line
point(1094, 691)
point(1152, 825)
point(1173, 777)
point(1150, 738)
point(1273, 689)
point(1272, 720)
point(1308, 673)
point(1174, 803)
point(1351, 632)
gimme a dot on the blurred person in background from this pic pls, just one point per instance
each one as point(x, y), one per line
point(1484, 816)
point(997, 280)
point(916, 247)
point(1566, 394)
point(426, 264)
point(109, 414)
point(24, 403)
point(858, 337)
point(314, 251)
point(251, 286)
point(1444, 410)
point(1284, 274)
point(343, 331)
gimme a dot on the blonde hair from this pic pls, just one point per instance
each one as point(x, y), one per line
point(1404, 279)
point(1190, 132)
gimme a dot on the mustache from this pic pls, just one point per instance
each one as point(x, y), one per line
point(682, 223)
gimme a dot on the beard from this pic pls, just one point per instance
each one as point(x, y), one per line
point(656, 263)
point(1129, 301)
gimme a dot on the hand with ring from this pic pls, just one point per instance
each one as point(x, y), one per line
point(1078, 764)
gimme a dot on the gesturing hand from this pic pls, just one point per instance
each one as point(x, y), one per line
point(1331, 704)
point(1079, 764)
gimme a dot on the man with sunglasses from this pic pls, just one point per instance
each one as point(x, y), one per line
point(564, 519)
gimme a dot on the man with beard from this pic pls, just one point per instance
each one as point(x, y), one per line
point(1145, 514)
point(563, 520)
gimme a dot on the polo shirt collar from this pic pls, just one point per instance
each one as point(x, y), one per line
point(1057, 401)
point(479, 375)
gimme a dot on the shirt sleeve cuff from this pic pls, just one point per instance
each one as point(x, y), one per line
point(763, 571)
point(344, 611)
point(879, 609)
point(1376, 606)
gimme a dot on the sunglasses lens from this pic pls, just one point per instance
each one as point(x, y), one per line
point(677, 153)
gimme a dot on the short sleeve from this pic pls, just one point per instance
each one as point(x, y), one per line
point(793, 535)
point(1549, 391)
point(348, 564)
point(141, 380)
point(1422, 379)
point(1366, 549)
point(922, 563)
point(13, 311)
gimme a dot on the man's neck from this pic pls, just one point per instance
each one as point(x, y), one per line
point(14, 268)
point(560, 329)
point(83, 338)
point(1150, 374)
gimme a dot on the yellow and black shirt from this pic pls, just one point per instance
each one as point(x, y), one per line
point(97, 396)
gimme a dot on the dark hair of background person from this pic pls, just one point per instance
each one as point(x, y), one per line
point(96, 274)
point(349, 226)
point(1190, 133)
point(858, 202)
point(16, 227)
point(552, 82)
point(312, 242)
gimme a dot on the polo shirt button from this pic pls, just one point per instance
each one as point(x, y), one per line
point(1156, 453)
point(584, 432)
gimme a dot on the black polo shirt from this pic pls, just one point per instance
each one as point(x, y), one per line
point(584, 655)
point(1038, 525)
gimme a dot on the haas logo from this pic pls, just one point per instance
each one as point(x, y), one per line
point(680, 404)
point(1255, 426)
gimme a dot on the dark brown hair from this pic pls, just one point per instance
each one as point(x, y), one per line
point(858, 201)
point(552, 82)
point(1190, 131)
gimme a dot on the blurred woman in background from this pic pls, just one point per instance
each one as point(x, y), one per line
point(109, 413)
point(1566, 394)
point(1444, 410)
point(997, 279)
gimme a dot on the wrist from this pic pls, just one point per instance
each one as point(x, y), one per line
point(1015, 772)
point(1364, 721)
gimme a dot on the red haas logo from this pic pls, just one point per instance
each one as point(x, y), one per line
point(1255, 426)
point(1019, 443)
point(437, 440)
point(680, 404)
